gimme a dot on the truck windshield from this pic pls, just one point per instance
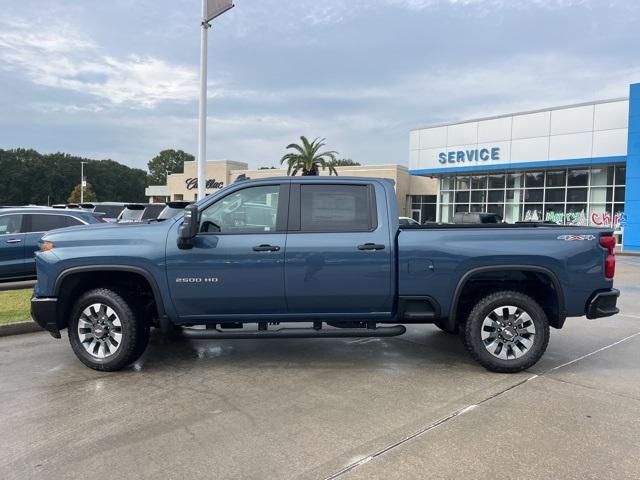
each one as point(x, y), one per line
point(131, 214)
point(110, 211)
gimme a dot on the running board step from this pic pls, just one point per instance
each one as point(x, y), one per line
point(213, 334)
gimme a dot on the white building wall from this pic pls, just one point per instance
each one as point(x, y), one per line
point(584, 133)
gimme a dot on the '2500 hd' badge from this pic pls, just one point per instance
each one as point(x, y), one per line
point(197, 280)
point(573, 238)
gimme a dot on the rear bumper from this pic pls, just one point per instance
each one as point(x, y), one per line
point(44, 312)
point(603, 304)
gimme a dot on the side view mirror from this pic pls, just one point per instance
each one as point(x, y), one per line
point(189, 227)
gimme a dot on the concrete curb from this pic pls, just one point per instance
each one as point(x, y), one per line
point(19, 328)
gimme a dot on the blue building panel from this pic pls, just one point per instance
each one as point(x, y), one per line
point(631, 237)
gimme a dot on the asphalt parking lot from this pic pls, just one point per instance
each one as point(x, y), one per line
point(414, 406)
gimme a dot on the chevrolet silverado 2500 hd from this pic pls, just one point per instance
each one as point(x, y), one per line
point(327, 257)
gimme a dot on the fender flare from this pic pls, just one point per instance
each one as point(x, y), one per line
point(451, 320)
point(162, 317)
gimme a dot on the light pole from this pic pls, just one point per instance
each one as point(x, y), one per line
point(166, 184)
point(210, 10)
point(82, 182)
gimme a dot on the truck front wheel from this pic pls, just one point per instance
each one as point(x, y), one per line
point(506, 332)
point(105, 331)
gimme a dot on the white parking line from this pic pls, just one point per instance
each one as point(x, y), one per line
point(594, 352)
point(368, 458)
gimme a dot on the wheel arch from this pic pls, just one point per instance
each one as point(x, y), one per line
point(69, 279)
point(556, 312)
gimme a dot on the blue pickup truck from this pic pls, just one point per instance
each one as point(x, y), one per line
point(328, 257)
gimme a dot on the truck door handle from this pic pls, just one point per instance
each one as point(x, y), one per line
point(14, 240)
point(371, 246)
point(266, 248)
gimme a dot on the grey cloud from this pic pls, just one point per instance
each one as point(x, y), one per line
point(120, 77)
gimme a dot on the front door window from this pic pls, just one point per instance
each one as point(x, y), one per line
point(10, 224)
point(252, 210)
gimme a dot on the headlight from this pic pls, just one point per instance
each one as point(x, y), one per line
point(46, 246)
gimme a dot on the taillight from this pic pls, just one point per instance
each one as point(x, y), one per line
point(609, 242)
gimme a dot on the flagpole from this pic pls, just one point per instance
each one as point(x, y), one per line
point(202, 110)
point(210, 10)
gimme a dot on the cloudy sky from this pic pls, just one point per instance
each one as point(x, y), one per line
point(119, 79)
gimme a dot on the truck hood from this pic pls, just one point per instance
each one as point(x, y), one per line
point(99, 233)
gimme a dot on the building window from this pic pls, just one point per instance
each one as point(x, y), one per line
point(534, 179)
point(497, 180)
point(515, 180)
point(574, 196)
point(423, 207)
point(578, 177)
point(556, 178)
point(478, 182)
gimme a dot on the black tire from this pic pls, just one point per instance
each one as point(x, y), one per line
point(446, 329)
point(134, 330)
point(471, 332)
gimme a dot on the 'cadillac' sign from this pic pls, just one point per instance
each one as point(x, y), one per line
point(192, 183)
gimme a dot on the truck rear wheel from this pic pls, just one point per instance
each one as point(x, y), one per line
point(105, 331)
point(506, 332)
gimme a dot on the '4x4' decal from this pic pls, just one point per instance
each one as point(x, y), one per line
point(572, 238)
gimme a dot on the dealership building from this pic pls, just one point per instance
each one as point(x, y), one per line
point(575, 165)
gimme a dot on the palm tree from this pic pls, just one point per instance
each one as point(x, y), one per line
point(307, 158)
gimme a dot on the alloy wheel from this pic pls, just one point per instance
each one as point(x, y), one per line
point(100, 330)
point(508, 332)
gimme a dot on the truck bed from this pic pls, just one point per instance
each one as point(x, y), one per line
point(437, 258)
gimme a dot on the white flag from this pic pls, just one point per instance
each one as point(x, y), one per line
point(216, 8)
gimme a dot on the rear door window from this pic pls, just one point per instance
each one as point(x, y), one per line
point(336, 208)
point(46, 222)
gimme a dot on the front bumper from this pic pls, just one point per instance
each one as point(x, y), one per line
point(44, 312)
point(603, 304)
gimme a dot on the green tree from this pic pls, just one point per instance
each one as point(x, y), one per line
point(344, 162)
point(171, 161)
point(115, 182)
point(89, 194)
point(30, 177)
point(307, 158)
